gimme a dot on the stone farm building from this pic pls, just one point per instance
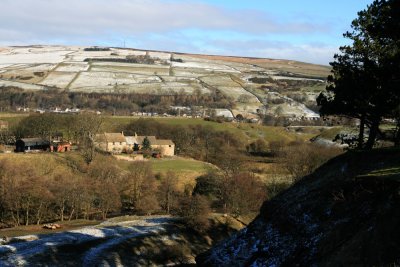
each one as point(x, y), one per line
point(118, 143)
point(111, 142)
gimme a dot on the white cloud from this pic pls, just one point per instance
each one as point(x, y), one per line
point(156, 24)
point(49, 18)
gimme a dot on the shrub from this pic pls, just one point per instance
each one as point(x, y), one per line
point(195, 211)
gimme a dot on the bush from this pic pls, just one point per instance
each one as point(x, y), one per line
point(301, 159)
point(195, 211)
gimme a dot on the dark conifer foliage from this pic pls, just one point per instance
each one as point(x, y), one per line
point(366, 74)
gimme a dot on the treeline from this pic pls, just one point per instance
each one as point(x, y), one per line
point(123, 104)
point(49, 189)
point(33, 194)
point(140, 59)
point(96, 48)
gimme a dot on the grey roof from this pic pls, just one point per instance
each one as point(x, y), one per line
point(34, 141)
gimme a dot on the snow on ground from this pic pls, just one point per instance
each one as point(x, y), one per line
point(183, 72)
point(236, 92)
point(25, 86)
point(296, 109)
point(202, 65)
point(181, 79)
point(63, 64)
point(221, 112)
point(2, 66)
point(219, 81)
point(110, 79)
point(295, 78)
point(108, 234)
point(59, 79)
point(32, 56)
point(178, 87)
point(160, 55)
point(73, 67)
point(155, 70)
point(39, 67)
point(81, 55)
point(130, 65)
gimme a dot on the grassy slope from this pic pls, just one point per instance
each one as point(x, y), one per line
point(245, 131)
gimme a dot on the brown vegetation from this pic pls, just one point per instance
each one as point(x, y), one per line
point(123, 104)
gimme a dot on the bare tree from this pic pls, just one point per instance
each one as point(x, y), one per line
point(87, 127)
point(168, 190)
point(136, 184)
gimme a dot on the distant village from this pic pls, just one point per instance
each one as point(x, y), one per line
point(192, 112)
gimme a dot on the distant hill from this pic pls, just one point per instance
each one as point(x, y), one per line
point(276, 87)
point(347, 213)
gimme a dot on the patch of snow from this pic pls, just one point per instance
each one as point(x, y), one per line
point(19, 254)
point(25, 86)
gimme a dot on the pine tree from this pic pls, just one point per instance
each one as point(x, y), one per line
point(365, 81)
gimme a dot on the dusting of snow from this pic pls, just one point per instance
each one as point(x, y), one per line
point(109, 234)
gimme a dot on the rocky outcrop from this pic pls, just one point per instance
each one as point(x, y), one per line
point(347, 213)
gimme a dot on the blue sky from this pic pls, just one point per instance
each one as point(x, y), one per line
point(307, 30)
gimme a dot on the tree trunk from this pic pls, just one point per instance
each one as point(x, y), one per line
point(167, 202)
point(27, 216)
point(373, 132)
point(70, 215)
point(38, 214)
point(397, 134)
point(18, 220)
point(62, 208)
point(15, 219)
point(361, 133)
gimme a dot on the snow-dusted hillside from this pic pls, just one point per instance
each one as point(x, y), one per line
point(78, 70)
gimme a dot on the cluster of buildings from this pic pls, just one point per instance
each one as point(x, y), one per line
point(114, 143)
point(51, 110)
point(189, 112)
point(119, 143)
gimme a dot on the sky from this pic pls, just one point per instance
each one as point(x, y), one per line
point(307, 30)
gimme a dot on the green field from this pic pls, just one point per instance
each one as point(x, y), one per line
point(180, 165)
point(244, 131)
